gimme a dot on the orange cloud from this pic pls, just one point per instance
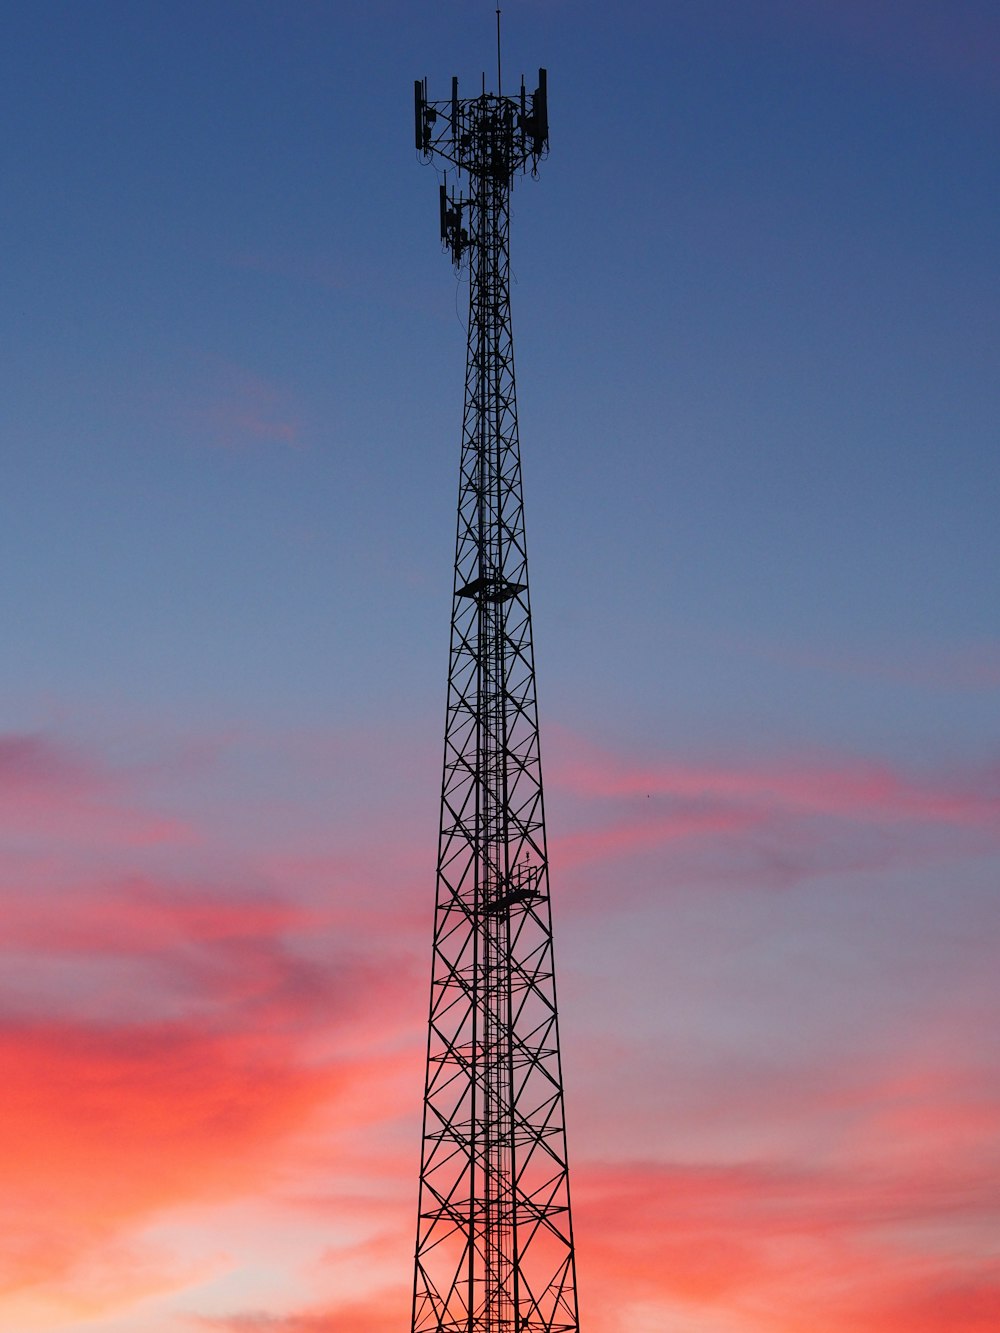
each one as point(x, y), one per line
point(100, 1126)
point(382, 1312)
point(765, 1246)
point(241, 1021)
point(234, 1025)
point(941, 1301)
point(105, 1130)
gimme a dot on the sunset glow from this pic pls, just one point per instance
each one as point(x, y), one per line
point(754, 320)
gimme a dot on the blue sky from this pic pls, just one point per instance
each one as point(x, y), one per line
point(755, 312)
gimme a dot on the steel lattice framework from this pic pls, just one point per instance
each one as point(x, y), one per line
point(494, 1247)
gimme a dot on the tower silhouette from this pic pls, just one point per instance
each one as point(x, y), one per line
point(494, 1250)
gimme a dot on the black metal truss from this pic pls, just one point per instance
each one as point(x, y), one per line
point(494, 1249)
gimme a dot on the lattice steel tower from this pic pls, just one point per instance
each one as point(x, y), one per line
point(494, 1233)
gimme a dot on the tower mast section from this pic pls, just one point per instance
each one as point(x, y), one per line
point(494, 1250)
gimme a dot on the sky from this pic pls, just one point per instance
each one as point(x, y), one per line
point(756, 321)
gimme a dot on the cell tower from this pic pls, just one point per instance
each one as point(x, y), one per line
point(494, 1247)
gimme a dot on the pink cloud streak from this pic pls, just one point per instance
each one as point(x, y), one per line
point(852, 789)
point(269, 1052)
point(54, 792)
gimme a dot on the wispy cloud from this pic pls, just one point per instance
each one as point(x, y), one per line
point(851, 788)
point(791, 1243)
point(170, 1039)
point(57, 793)
point(197, 1091)
point(213, 998)
point(771, 821)
point(353, 278)
point(247, 410)
point(373, 1316)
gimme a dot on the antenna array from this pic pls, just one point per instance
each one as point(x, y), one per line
point(494, 1249)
